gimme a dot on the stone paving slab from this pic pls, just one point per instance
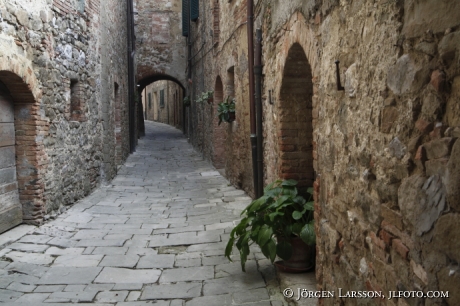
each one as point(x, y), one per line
point(121, 275)
point(69, 275)
point(172, 291)
point(155, 235)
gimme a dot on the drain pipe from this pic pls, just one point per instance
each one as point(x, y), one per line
point(131, 77)
point(258, 102)
point(252, 107)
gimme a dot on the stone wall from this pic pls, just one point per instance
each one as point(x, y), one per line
point(160, 47)
point(67, 78)
point(219, 63)
point(382, 153)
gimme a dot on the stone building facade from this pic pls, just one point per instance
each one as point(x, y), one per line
point(381, 147)
point(162, 102)
point(64, 102)
point(160, 48)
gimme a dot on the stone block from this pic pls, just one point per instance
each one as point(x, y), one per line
point(448, 47)
point(419, 271)
point(400, 248)
point(69, 276)
point(7, 134)
point(436, 167)
point(452, 114)
point(407, 75)
point(424, 126)
point(389, 116)
point(234, 283)
point(449, 281)
point(121, 275)
point(453, 178)
point(172, 291)
point(7, 157)
point(447, 235)
point(73, 297)
point(187, 274)
point(77, 261)
point(429, 15)
point(438, 80)
point(439, 148)
point(123, 261)
point(391, 216)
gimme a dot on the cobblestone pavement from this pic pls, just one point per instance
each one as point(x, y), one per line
point(155, 235)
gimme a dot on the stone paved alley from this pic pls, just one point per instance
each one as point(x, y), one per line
point(156, 232)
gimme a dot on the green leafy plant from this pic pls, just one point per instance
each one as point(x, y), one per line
point(226, 110)
point(281, 212)
point(187, 101)
point(205, 96)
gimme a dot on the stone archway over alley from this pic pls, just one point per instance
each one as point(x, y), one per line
point(156, 233)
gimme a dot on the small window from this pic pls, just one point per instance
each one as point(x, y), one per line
point(216, 22)
point(150, 100)
point(77, 107)
point(81, 6)
point(162, 98)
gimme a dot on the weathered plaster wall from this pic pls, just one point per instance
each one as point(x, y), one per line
point(60, 66)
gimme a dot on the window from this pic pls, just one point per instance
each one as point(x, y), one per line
point(194, 10)
point(77, 107)
point(81, 6)
point(216, 22)
point(185, 17)
point(150, 100)
point(162, 98)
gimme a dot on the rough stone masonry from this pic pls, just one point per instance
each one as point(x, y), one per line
point(382, 154)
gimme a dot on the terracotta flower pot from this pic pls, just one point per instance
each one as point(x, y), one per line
point(302, 259)
point(231, 116)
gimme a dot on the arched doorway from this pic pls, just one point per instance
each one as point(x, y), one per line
point(219, 133)
point(296, 128)
point(22, 157)
point(10, 208)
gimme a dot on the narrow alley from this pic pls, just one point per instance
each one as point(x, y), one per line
point(157, 233)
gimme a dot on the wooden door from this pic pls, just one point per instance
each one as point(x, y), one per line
point(10, 208)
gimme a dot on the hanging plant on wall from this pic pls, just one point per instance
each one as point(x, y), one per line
point(206, 96)
point(187, 101)
point(226, 110)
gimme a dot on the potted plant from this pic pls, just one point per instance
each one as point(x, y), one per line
point(276, 222)
point(187, 101)
point(208, 96)
point(226, 110)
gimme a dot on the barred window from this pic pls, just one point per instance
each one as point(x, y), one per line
point(162, 98)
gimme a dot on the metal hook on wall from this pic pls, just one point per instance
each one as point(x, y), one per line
point(270, 97)
point(337, 71)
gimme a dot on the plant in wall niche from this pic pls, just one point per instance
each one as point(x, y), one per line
point(279, 222)
point(226, 110)
point(187, 101)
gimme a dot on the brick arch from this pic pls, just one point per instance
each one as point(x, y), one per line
point(295, 119)
point(30, 129)
point(219, 131)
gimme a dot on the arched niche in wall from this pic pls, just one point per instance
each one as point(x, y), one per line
point(219, 131)
point(295, 119)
